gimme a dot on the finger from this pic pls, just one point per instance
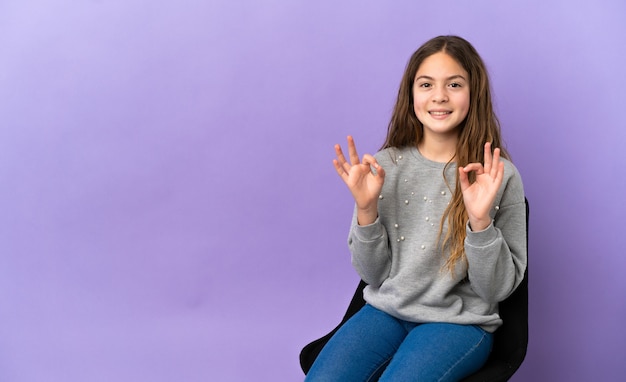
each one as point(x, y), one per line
point(477, 167)
point(341, 159)
point(369, 159)
point(500, 174)
point(487, 157)
point(495, 164)
point(340, 170)
point(354, 156)
point(464, 181)
point(380, 172)
point(372, 162)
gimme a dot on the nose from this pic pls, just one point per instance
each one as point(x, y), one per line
point(440, 95)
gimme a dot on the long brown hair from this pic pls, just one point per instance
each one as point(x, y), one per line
point(481, 125)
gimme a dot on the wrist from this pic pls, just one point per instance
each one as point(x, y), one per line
point(477, 225)
point(366, 216)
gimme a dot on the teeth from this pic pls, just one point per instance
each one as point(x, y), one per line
point(439, 112)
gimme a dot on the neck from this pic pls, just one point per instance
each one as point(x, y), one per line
point(438, 150)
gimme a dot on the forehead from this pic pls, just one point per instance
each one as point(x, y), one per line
point(442, 65)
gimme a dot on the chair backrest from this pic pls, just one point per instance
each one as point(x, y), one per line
point(510, 340)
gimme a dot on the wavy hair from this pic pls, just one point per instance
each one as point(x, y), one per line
point(481, 125)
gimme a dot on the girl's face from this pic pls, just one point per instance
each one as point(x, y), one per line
point(441, 95)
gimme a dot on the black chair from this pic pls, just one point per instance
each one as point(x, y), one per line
point(510, 339)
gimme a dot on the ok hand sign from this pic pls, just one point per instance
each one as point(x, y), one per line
point(480, 195)
point(364, 183)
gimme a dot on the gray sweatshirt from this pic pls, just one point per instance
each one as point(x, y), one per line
point(399, 257)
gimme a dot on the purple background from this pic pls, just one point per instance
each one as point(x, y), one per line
point(168, 206)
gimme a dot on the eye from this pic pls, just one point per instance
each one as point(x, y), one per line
point(456, 85)
point(425, 85)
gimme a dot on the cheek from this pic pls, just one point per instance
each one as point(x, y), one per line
point(418, 109)
point(466, 110)
point(465, 105)
point(418, 104)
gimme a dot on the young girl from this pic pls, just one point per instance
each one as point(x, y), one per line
point(439, 229)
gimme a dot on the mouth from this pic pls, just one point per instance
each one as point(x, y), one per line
point(439, 113)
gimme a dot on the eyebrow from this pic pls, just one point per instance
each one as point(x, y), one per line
point(456, 76)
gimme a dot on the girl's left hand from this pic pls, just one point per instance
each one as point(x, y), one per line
point(480, 195)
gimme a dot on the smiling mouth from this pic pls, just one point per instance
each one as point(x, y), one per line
point(439, 113)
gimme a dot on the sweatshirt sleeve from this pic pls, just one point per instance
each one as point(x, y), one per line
point(497, 256)
point(371, 255)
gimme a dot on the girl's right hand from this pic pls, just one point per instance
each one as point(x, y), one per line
point(364, 183)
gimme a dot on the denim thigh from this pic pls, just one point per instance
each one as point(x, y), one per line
point(439, 352)
point(373, 342)
point(361, 348)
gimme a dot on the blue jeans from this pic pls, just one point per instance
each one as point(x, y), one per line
point(372, 344)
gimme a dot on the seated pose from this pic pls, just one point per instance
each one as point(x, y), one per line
point(439, 229)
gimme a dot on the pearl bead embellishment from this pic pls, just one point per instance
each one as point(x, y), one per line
point(433, 202)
